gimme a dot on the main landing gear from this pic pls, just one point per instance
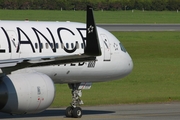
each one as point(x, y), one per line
point(74, 110)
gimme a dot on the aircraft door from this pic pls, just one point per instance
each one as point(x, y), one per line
point(14, 43)
point(107, 49)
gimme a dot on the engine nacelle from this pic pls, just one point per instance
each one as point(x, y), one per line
point(22, 93)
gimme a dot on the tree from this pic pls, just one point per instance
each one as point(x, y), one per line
point(173, 5)
point(159, 5)
point(97, 4)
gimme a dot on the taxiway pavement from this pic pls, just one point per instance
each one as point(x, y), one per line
point(163, 111)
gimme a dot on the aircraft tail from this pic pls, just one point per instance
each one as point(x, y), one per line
point(92, 41)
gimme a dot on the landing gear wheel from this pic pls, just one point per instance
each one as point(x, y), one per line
point(77, 112)
point(69, 111)
point(74, 110)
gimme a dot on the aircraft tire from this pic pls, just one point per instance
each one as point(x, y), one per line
point(69, 112)
point(77, 112)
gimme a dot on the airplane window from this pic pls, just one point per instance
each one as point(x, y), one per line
point(62, 45)
point(41, 46)
point(36, 45)
point(72, 45)
point(122, 47)
point(52, 45)
point(67, 45)
point(57, 45)
point(105, 42)
point(77, 45)
point(82, 45)
point(47, 46)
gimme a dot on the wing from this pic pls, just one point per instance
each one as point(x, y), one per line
point(92, 49)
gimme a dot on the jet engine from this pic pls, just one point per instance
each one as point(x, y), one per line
point(23, 93)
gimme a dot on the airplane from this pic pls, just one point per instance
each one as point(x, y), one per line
point(36, 55)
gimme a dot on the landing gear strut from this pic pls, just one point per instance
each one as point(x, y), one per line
point(74, 110)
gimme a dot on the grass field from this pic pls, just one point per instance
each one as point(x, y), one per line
point(152, 17)
point(155, 77)
point(156, 57)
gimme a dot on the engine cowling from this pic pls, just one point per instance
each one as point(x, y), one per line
point(24, 93)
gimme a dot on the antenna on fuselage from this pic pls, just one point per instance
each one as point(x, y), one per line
point(92, 40)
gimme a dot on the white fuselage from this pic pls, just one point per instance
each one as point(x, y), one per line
point(38, 39)
point(34, 54)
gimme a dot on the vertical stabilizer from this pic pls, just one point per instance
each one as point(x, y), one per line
point(92, 41)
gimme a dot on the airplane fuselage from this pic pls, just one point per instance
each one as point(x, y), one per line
point(37, 39)
point(34, 54)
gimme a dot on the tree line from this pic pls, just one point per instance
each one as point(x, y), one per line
point(158, 5)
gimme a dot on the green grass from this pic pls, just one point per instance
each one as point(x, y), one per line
point(155, 77)
point(152, 17)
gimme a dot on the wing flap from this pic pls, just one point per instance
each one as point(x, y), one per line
point(37, 62)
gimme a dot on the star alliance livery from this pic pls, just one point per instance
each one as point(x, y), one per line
point(35, 55)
